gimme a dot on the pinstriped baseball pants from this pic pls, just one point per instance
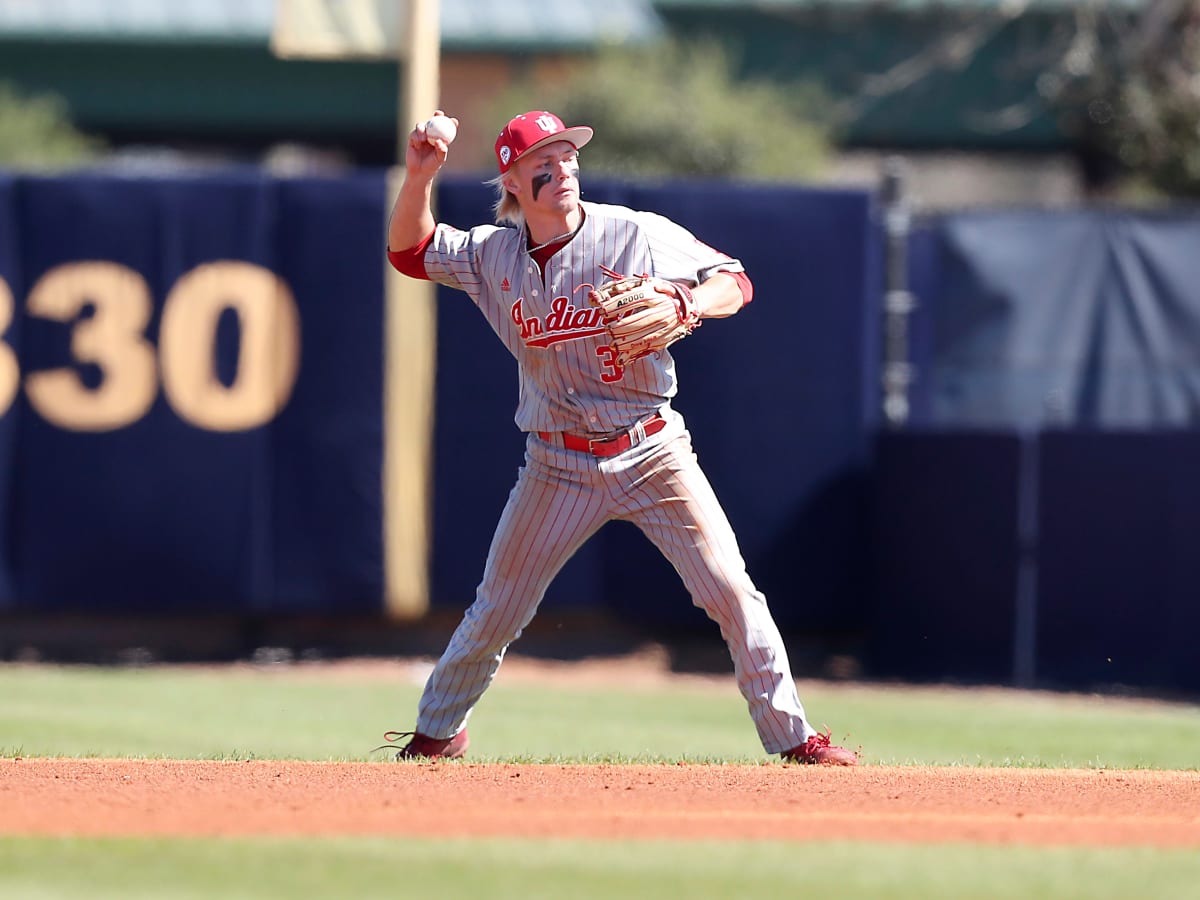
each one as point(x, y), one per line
point(561, 498)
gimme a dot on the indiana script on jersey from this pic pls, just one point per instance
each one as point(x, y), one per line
point(566, 322)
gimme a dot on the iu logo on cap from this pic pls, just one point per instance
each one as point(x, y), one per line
point(547, 124)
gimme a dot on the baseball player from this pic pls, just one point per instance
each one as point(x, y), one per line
point(603, 439)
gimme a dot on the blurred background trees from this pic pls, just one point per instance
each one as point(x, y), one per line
point(36, 133)
point(1132, 82)
point(1044, 101)
point(678, 109)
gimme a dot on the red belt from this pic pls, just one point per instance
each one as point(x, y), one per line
point(609, 446)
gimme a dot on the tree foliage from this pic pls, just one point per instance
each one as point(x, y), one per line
point(1139, 92)
point(36, 133)
point(1121, 79)
point(676, 109)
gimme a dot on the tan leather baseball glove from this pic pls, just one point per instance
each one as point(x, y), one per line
point(644, 314)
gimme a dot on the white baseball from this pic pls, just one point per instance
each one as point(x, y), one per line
point(441, 128)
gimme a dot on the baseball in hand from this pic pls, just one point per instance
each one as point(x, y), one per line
point(441, 128)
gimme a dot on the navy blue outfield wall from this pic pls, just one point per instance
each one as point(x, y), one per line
point(191, 373)
point(946, 555)
point(1119, 568)
point(1060, 559)
point(1064, 319)
point(1074, 335)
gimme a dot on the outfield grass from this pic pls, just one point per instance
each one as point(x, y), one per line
point(297, 713)
point(286, 869)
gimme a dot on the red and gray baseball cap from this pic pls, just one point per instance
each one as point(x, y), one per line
point(532, 130)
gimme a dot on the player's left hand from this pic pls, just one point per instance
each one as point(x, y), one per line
point(643, 314)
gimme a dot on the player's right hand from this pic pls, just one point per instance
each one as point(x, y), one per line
point(423, 157)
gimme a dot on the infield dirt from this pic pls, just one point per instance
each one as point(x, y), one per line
point(885, 803)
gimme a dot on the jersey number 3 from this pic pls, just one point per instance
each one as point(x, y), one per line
point(610, 371)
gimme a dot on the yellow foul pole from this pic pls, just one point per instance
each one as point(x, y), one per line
point(410, 352)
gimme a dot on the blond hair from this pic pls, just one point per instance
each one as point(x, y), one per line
point(506, 207)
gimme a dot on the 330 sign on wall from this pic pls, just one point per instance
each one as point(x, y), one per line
point(113, 339)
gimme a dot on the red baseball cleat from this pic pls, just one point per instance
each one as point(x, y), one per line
point(421, 746)
point(817, 751)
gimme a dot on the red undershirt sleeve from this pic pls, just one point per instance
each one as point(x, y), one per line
point(411, 262)
point(745, 284)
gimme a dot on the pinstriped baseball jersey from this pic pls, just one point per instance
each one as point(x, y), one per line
point(570, 384)
point(569, 377)
point(603, 442)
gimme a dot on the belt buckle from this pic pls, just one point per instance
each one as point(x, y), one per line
point(607, 446)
